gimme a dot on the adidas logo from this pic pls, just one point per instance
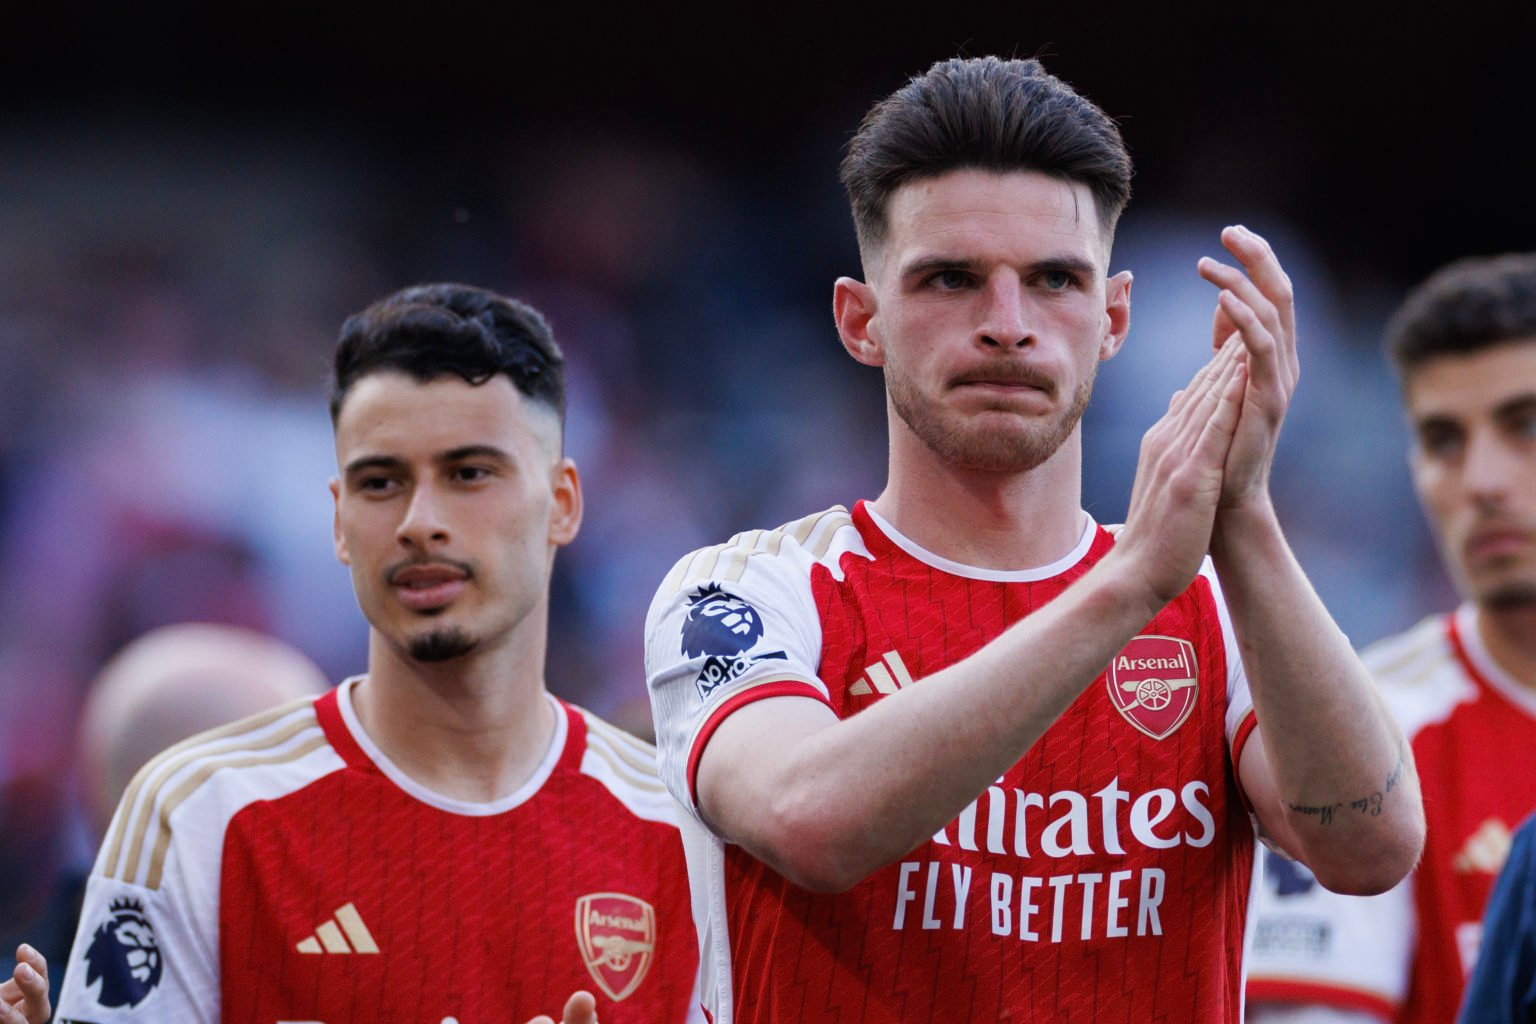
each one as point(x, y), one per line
point(332, 936)
point(1485, 850)
point(887, 675)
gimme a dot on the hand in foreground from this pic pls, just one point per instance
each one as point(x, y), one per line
point(24, 996)
point(1179, 476)
point(1258, 308)
point(581, 1008)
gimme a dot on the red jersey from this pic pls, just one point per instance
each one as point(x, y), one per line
point(1103, 878)
point(283, 870)
point(1405, 956)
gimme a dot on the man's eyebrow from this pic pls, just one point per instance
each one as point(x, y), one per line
point(1064, 264)
point(1050, 264)
point(473, 451)
point(929, 264)
point(368, 462)
point(1516, 406)
point(1435, 421)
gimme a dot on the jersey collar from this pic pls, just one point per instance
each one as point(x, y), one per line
point(391, 771)
point(871, 521)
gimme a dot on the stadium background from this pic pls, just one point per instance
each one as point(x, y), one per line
point(193, 196)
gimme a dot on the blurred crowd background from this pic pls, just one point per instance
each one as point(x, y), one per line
point(192, 198)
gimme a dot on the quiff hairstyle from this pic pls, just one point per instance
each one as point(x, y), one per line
point(439, 330)
point(985, 113)
point(1465, 307)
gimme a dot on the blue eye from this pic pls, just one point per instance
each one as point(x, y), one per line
point(1058, 280)
point(951, 280)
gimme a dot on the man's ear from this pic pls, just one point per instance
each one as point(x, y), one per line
point(566, 509)
point(853, 307)
point(1117, 314)
point(336, 537)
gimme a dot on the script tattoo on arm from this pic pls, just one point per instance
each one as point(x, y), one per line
point(1370, 805)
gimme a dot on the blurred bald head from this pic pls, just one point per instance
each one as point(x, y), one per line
point(175, 682)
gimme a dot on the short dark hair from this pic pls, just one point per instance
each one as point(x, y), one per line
point(985, 113)
point(1465, 307)
point(438, 330)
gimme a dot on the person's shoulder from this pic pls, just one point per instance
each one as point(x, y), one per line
point(1406, 657)
point(821, 537)
point(1418, 673)
point(626, 767)
point(210, 777)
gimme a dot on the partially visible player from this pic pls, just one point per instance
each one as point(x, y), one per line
point(171, 683)
point(1503, 985)
point(962, 753)
point(1463, 685)
point(164, 686)
point(439, 839)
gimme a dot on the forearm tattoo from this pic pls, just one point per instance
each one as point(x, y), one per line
point(1371, 805)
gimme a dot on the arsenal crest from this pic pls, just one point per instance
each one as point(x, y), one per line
point(1153, 682)
point(617, 935)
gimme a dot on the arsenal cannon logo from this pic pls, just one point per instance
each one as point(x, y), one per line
point(1153, 682)
point(617, 933)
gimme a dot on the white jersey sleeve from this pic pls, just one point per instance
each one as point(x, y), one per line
point(1239, 700)
point(147, 947)
point(733, 624)
point(141, 953)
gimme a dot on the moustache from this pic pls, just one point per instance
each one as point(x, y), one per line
point(1007, 374)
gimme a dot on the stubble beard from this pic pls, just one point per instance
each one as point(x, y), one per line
point(1514, 595)
point(960, 442)
point(441, 645)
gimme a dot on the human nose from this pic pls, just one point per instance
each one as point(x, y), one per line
point(1489, 468)
point(424, 523)
point(1004, 323)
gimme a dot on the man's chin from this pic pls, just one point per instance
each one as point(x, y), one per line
point(441, 645)
point(1014, 450)
point(1510, 597)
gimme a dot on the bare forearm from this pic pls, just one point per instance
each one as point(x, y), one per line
point(1345, 794)
point(853, 796)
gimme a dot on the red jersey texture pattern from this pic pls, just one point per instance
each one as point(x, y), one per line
point(1405, 956)
point(282, 870)
point(1103, 878)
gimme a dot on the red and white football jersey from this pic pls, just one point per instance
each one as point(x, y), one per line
point(1405, 955)
point(281, 869)
point(1103, 878)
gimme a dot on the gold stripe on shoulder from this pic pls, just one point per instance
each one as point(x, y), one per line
point(728, 562)
point(675, 578)
point(194, 781)
point(734, 566)
point(156, 767)
point(615, 734)
point(644, 781)
point(1394, 664)
point(830, 521)
point(136, 836)
point(642, 760)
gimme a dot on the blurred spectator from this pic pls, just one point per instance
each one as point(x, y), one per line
point(167, 685)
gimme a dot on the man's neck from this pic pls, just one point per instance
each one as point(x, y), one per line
point(981, 519)
point(1509, 636)
point(474, 728)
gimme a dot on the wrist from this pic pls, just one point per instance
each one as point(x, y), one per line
point(1118, 585)
point(1245, 525)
